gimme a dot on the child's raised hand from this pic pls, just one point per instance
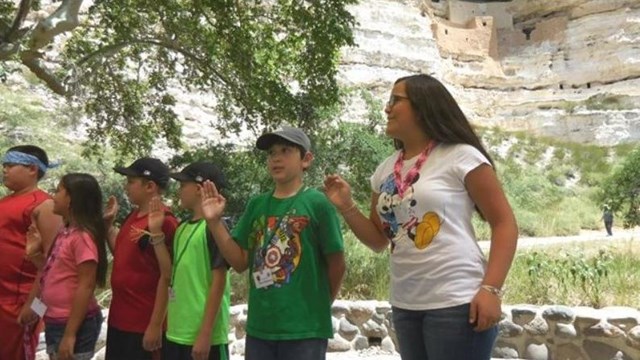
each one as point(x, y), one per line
point(338, 191)
point(156, 215)
point(111, 210)
point(212, 202)
point(34, 241)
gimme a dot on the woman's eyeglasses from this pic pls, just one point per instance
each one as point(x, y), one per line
point(393, 99)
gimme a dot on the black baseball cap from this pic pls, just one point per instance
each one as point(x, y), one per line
point(200, 172)
point(148, 168)
point(291, 134)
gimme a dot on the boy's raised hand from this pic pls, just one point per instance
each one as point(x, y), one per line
point(34, 241)
point(156, 215)
point(338, 191)
point(111, 210)
point(212, 202)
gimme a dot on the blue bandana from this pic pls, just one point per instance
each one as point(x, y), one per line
point(16, 157)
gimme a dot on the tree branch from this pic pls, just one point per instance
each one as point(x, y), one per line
point(33, 60)
point(7, 50)
point(13, 34)
point(64, 19)
point(114, 48)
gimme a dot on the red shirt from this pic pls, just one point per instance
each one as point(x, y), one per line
point(16, 273)
point(135, 274)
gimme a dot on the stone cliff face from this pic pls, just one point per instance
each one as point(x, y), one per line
point(560, 68)
point(568, 69)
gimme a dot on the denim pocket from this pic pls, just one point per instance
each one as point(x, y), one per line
point(86, 337)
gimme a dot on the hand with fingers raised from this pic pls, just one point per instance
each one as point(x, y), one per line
point(338, 191)
point(155, 217)
point(34, 241)
point(213, 203)
point(110, 211)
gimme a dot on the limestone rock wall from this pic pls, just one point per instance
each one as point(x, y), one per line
point(513, 64)
point(504, 62)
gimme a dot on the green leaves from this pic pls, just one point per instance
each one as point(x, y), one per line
point(265, 63)
point(574, 274)
point(621, 190)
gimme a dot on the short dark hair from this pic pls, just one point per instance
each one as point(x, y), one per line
point(33, 151)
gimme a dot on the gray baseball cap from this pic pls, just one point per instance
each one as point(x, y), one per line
point(288, 133)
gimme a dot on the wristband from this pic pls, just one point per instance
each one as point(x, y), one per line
point(494, 290)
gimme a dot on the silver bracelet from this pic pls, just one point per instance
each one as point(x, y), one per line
point(494, 290)
point(156, 239)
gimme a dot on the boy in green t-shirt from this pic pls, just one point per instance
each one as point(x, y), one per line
point(290, 240)
point(198, 311)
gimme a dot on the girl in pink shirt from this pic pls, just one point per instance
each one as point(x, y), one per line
point(76, 263)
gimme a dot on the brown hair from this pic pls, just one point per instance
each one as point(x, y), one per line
point(438, 113)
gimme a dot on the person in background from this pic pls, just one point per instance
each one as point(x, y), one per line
point(607, 216)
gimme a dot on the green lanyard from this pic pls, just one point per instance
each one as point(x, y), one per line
point(269, 235)
point(184, 248)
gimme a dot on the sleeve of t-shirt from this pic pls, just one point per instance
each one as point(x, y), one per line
point(380, 174)
point(242, 229)
point(169, 227)
point(467, 158)
point(215, 257)
point(84, 249)
point(328, 227)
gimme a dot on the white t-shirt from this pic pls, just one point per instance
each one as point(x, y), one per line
point(435, 259)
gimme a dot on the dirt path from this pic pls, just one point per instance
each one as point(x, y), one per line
point(585, 236)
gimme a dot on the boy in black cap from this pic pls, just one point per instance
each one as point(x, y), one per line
point(199, 292)
point(290, 240)
point(141, 264)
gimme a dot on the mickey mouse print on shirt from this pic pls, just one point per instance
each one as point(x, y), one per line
point(400, 219)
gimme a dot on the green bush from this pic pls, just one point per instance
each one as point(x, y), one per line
point(575, 276)
point(368, 273)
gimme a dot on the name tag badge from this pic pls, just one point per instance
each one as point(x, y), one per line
point(172, 294)
point(38, 307)
point(263, 278)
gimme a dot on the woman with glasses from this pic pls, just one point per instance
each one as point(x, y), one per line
point(446, 295)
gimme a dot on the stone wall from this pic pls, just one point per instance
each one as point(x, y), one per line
point(477, 39)
point(546, 30)
point(461, 12)
point(560, 332)
point(526, 331)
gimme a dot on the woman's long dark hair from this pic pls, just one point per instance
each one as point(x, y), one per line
point(438, 113)
point(86, 212)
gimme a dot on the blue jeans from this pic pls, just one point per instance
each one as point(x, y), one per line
point(441, 334)
point(307, 349)
point(86, 337)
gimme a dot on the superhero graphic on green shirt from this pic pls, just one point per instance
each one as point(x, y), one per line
point(280, 249)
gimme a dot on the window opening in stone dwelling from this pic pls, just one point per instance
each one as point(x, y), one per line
point(527, 31)
point(374, 341)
